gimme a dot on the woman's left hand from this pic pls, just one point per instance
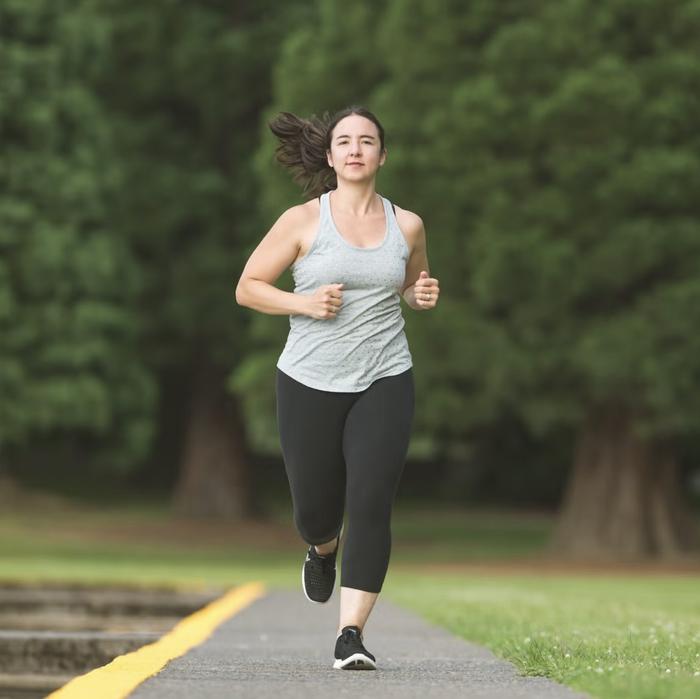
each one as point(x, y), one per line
point(426, 291)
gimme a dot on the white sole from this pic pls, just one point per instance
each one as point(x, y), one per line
point(303, 586)
point(356, 661)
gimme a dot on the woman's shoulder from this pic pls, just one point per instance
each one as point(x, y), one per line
point(307, 208)
point(410, 223)
point(300, 222)
point(302, 213)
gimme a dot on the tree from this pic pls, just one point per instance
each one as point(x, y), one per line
point(567, 160)
point(70, 375)
point(186, 86)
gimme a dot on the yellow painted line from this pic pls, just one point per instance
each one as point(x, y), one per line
point(123, 674)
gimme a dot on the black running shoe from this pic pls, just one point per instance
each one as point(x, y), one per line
point(350, 653)
point(318, 574)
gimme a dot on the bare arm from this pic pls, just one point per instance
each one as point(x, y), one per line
point(267, 298)
point(273, 255)
point(417, 262)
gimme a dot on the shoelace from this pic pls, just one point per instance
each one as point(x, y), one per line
point(327, 563)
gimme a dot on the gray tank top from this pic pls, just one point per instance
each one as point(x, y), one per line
point(366, 339)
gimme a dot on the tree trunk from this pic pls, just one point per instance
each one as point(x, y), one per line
point(161, 469)
point(623, 500)
point(214, 478)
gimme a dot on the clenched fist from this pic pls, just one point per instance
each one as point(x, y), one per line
point(426, 290)
point(325, 302)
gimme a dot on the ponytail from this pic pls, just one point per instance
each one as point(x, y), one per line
point(302, 150)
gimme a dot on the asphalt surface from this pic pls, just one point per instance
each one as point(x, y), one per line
point(282, 646)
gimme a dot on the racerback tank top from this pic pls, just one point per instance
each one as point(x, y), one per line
point(366, 339)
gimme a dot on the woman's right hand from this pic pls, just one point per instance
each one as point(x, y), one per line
point(325, 302)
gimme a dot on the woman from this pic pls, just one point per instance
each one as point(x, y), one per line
point(344, 380)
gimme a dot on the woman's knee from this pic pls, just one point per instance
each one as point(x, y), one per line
point(317, 527)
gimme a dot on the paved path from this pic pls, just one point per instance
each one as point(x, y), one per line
point(282, 646)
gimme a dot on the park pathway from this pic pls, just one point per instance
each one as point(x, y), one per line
point(281, 646)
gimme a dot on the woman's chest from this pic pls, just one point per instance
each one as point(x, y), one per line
point(331, 263)
point(370, 235)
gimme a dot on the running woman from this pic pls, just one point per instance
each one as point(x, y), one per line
point(344, 380)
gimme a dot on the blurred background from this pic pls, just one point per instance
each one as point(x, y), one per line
point(551, 149)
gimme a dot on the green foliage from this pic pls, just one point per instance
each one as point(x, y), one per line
point(599, 289)
point(186, 86)
point(560, 197)
point(68, 334)
point(550, 148)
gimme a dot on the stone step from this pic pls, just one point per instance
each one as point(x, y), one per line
point(42, 620)
point(58, 652)
point(21, 686)
point(104, 602)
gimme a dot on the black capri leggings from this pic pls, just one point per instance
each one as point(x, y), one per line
point(347, 448)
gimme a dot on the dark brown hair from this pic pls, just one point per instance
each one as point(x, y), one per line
point(303, 146)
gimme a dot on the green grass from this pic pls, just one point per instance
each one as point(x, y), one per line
point(612, 636)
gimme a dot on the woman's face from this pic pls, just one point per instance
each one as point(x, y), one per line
point(355, 139)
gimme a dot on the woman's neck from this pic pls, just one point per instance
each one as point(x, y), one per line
point(358, 200)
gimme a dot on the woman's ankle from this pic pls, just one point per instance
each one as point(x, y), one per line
point(328, 547)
